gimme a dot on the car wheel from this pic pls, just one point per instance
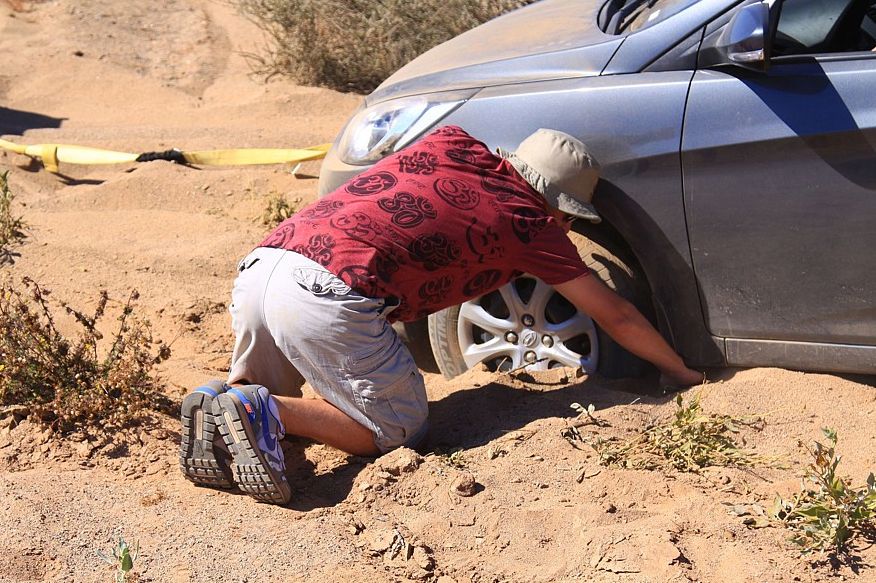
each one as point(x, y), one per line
point(527, 323)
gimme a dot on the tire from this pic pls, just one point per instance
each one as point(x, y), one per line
point(478, 330)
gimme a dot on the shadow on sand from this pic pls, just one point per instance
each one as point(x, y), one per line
point(472, 418)
point(16, 121)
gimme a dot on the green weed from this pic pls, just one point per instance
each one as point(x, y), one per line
point(453, 457)
point(827, 514)
point(80, 382)
point(123, 558)
point(690, 440)
point(12, 228)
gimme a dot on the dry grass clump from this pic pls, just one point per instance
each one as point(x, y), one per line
point(828, 514)
point(353, 45)
point(688, 441)
point(277, 209)
point(75, 383)
point(12, 228)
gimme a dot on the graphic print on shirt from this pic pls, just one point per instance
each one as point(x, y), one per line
point(408, 210)
point(281, 236)
point(483, 242)
point(482, 282)
point(490, 183)
point(457, 193)
point(357, 225)
point(318, 248)
point(450, 131)
point(528, 223)
point(417, 163)
point(434, 251)
point(385, 265)
point(435, 290)
point(360, 279)
point(323, 209)
point(386, 243)
point(462, 156)
point(368, 184)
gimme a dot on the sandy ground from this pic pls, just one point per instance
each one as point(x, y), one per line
point(519, 503)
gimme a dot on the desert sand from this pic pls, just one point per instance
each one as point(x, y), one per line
point(519, 502)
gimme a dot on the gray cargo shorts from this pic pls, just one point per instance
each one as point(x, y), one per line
point(290, 315)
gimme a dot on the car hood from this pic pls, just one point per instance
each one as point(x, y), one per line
point(551, 39)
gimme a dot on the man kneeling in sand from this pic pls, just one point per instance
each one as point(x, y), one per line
point(317, 297)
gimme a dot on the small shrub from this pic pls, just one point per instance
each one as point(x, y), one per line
point(353, 45)
point(123, 559)
point(72, 384)
point(12, 228)
point(277, 210)
point(453, 457)
point(827, 514)
point(690, 440)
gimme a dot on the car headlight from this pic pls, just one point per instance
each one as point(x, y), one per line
point(381, 129)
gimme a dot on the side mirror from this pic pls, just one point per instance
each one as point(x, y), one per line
point(744, 41)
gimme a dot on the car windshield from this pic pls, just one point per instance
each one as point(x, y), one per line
point(625, 16)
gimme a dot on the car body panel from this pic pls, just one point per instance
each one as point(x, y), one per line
point(781, 193)
point(554, 39)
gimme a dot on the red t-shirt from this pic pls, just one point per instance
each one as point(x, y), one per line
point(435, 224)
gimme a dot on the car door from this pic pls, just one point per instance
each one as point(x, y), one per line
point(780, 184)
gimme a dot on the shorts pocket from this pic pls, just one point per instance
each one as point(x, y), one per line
point(379, 355)
point(320, 282)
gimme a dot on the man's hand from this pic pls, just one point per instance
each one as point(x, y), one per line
point(688, 378)
point(623, 322)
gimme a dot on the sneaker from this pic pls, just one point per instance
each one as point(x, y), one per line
point(248, 419)
point(203, 457)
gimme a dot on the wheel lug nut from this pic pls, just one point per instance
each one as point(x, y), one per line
point(530, 357)
point(511, 337)
point(547, 340)
point(528, 320)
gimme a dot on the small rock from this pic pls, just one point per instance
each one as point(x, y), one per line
point(610, 508)
point(401, 461)
point(381, 540)
point(463, 485)
point(422, 558)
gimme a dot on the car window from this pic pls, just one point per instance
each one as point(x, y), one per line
point(825, 26)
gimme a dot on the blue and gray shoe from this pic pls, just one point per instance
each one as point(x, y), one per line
point(203, 457)
point(248, 419)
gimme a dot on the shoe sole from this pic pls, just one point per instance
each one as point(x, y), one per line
point(250, 469)
point(199, 461)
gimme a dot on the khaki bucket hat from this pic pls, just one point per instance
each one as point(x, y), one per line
point(559, 167)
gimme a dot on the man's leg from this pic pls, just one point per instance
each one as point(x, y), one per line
point(321, 421)
point(289, 312)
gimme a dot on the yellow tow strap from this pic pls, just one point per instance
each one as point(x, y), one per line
point(52, 154)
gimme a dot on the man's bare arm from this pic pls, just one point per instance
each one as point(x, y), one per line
point(623, 322)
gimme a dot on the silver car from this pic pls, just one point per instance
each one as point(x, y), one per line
point(738, 147)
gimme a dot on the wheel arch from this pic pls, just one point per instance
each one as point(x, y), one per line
point(668, 271)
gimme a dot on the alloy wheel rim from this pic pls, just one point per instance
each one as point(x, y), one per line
point(526, 323)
